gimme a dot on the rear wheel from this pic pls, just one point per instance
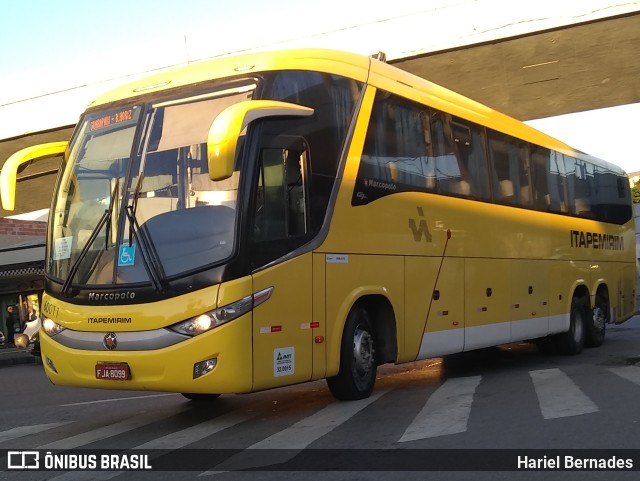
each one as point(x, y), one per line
point(358, 365)
point(597, 322)
point(572, 341)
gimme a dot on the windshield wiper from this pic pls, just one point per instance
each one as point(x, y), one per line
point(104, 219)
point(150, 258)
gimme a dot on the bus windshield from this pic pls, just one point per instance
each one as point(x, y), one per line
point(135, 202)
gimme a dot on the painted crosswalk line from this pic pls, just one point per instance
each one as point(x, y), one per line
point(21, 431)
point(445, 412)
point(630, 373)
point(175, 440)
point(559, 396)
point(286, 444)
point(105, 432)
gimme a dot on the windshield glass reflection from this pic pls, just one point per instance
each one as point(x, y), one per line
point(155, 216)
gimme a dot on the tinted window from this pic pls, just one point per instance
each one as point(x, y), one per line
point(297, 160)
point(410, 147)
point(539, 168)
point(458, 148)
point(557, 183)
point(509, 176)
point(395, 155)
point(612, 201)
point(333, 99)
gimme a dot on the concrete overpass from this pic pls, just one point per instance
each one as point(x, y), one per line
point(543, 74)
point(540, 74)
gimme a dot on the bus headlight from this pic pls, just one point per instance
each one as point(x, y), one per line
point(209, 320)
point(50, 327)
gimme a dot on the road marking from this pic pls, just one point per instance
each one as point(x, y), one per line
point(175, 440)
point(445, 412)
point(184, 437)
point(20, 431)
point(286, 444)
point(559, 396)
point(105, 431)
point(630, 373)
point(130, 398)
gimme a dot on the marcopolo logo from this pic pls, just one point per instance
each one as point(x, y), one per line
point(112, 296)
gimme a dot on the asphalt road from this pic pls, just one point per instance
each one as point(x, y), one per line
point(462, 414)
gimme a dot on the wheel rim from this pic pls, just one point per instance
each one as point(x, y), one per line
point(599, 319)
point(363, 353)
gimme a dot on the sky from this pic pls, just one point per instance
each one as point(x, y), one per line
point(58, 55)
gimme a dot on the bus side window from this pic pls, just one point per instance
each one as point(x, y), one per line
point(505, 166)
point(449, 178)
point(557, 197)
point(465, 141)
point(539, 161)
point(470, 138)
point(396, 149)
point(525, 196)
point(580, 176)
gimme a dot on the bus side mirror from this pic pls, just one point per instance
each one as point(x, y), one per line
point(227, 127)
point(9, 173)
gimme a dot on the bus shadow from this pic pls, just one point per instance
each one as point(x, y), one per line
point(493, 359)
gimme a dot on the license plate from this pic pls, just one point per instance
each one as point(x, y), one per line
point(113, 371)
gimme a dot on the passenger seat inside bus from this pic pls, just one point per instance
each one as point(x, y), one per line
point(461, 187)
point(582, 206)
point(507, 195)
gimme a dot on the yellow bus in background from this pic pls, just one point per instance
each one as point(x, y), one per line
point(275, 218)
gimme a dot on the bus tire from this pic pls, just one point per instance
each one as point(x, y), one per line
point(358, 365)
point(572, 341)
point(200, 397)
point(597, 322)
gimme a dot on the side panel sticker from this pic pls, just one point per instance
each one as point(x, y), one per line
point(337, 258)
point(283, 361)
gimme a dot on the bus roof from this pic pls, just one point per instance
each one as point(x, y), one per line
point(356, 66)
point(342, 63)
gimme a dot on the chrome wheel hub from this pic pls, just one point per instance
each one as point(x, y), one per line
point(363, 350)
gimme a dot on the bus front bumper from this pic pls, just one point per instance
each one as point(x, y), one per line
point(175, 368)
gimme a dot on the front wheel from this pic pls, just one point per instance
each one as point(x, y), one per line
point(358, 366)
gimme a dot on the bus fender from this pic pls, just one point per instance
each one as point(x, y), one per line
point(580, 288)
point(600, 283)
point(334, 333)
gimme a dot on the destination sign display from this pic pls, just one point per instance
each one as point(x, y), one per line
point(118, 117)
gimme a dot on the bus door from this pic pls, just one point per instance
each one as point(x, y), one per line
point(282, 324)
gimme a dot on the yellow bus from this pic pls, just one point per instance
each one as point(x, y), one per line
point(275, 218)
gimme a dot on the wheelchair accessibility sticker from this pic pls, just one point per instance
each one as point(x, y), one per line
point(126, 255)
